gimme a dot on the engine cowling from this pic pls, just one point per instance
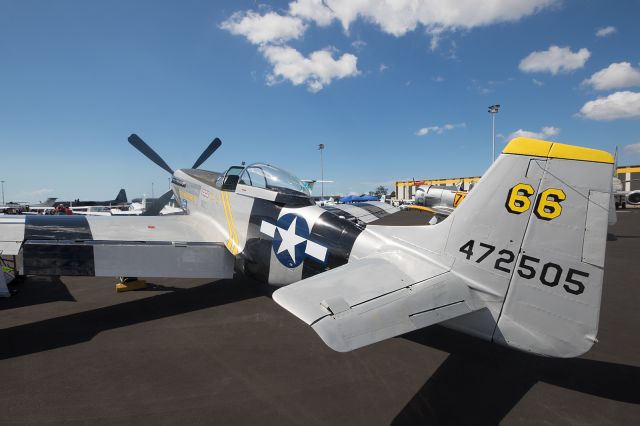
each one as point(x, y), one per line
point(633, 198)
point(431, 196)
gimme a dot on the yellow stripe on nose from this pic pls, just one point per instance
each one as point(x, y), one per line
point(232, 242)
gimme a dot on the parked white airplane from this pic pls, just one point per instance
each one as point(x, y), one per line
point(520, 262)
point(92, 210)
point(622, 197)
point(140, 209)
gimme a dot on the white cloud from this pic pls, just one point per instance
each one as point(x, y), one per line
point(316, 71)
point(359, 44)
point(603, 32)
point(436, 35)
point(439, 129)
point(313, 10)
point(438, 79)
point(633, 148)
point(546, 133)
point(267, 28)
point(382, 68)
point(617, 105)
point(398, 17)
point(555, 60)
point(615, 76)
point(537, 82)
point(486, 87)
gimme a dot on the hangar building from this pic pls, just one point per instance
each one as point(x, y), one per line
point(630, 177)
point(406, 189)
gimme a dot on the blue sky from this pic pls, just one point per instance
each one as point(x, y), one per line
point(393, 93)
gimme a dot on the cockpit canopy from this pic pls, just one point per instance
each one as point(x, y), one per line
point(272, 178)
point(264, 176)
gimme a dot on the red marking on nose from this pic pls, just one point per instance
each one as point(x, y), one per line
point(151, 227)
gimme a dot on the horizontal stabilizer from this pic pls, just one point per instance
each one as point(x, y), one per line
point(373, 299)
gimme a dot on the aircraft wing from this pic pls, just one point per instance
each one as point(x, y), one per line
point(142, 246)
point(362, 212)
point(443, 210)
point(375, 298)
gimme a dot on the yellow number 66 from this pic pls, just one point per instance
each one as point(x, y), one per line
point(547, 205)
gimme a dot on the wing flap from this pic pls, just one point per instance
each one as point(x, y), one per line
point(190, 228)
point(207, 260)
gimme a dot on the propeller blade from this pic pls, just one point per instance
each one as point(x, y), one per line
point(158, 204)
point(215, 144)
point(146, 150)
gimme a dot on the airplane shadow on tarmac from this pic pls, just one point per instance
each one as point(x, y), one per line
point(41, 290)
point(480, 380)
point(83, 326)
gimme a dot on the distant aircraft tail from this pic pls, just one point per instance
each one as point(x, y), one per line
point(121, 197)
point(309, 183)
point(520, 262)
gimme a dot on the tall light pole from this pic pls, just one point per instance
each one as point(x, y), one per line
point(493, 110)
point(321, 148)
point(2, 192)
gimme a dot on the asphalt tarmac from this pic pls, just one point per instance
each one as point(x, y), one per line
point(74, 351)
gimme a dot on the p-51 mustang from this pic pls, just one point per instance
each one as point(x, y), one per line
point(519, 263)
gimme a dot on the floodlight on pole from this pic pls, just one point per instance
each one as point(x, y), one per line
point(493, 110)
point(321, 148)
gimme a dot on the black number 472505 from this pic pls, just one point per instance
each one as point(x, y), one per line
point(529, 267)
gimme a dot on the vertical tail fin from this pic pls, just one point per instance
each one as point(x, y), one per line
point(533, 233)
point(121, 197)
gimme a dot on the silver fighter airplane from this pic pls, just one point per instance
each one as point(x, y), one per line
point(438, 199)
point(519, 263)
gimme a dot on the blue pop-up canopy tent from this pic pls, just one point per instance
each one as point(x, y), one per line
point(358, 198)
